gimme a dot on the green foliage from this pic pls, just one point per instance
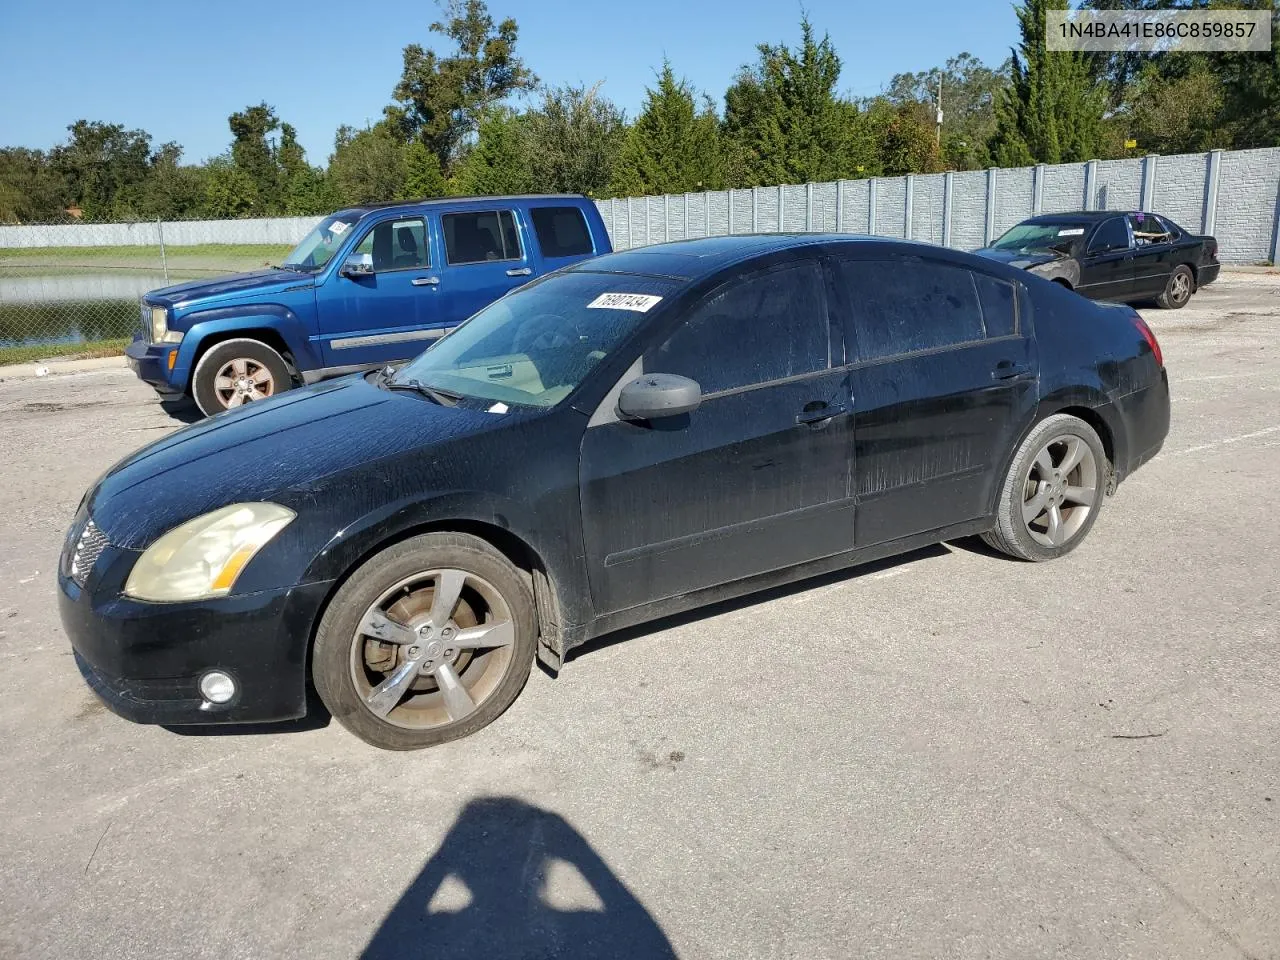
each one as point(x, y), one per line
point(673, 146)
point(368, 165)
point(229, 191)
point(30, 189)
point(574, 138)
point(1052, 110)
point(422, 173)
point(256, 157)
point(105, 168)
point(969, 93)
point(498, 163)
point(440, 99)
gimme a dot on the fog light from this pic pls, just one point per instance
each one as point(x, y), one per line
point(217, 687)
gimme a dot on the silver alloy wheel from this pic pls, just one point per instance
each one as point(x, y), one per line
point(1060, 490)
point(242, 380)
point(431, 649)
point(1181, 288)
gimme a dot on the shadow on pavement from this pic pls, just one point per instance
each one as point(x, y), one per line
point(184, 410)
point(512, 880)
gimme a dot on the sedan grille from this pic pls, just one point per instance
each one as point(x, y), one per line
point(88, 548)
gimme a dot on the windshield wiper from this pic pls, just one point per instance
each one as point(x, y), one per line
point(442, 397)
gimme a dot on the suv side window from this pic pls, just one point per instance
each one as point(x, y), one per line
point(766, 327)
point(480, 237)
point(908, 305)
point(1112, 235)
point(562, 231)
point(397, 245)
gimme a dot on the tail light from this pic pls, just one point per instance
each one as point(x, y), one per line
point(1212, 246)
point(1150, 337)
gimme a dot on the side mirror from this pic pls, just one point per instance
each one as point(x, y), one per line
point(357, 265)
point(656, 395)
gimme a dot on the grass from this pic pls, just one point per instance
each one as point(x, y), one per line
point(62, 351)
point(150, 251)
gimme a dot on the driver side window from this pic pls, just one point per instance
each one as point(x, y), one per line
point(766, 327)
point(1112, 235)
point(397, 245)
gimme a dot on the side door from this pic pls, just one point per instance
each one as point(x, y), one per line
point(1152, 254)
point(756, 479)
point(944, 383)
point(485, 256)
point(389, 314)
point(1106, 268)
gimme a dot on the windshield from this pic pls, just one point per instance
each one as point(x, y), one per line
point(318, 247)
point(534, 346)
point(1040, 236)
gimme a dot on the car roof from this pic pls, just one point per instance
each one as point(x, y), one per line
point(1082, 216)
point(694, 259)
point(362, 209)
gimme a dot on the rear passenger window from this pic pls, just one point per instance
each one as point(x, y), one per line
point(480, 237)
point(996, 298)
point(766, 327)
point(562, 231)
point(902, 306)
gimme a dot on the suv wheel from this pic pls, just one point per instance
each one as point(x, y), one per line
point(236, 372)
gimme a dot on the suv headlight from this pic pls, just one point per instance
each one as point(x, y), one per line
point(203, 557)
point(160, 332)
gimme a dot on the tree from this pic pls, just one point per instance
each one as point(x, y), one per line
point(440, 100)
point(905, 137)
point(368, 165)
point(31, 188)
point(229, 191)
point(173, 190)
point(498, 162)
point(104, 166)
point(1052, 110)
point(783, 120)
point(673, 146)
point(970, 91)
point(422, 173)
point(256, 155)
point(574, 138)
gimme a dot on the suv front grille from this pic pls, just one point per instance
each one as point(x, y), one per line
point(144, 319)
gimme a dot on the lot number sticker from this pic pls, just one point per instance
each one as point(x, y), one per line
point(639, 302)
point(1073, 232)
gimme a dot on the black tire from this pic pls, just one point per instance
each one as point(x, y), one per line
point(1178, 289)
point(332, 670)
point(1024, 487)
point(256, 356)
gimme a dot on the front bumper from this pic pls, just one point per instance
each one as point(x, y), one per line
point(144, 660)
point(150, 361)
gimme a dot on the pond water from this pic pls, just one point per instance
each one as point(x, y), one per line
point(72, 308)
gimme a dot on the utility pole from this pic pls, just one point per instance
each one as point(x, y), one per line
point(939, 111)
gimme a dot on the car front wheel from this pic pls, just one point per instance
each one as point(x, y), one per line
point(236, 372)
point(1053, 491)
point(430, 640)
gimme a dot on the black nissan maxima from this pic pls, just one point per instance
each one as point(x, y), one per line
point(633, 436)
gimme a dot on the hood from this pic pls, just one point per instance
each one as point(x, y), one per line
point(278, 450)
point(237, 284)
point(1023, 259)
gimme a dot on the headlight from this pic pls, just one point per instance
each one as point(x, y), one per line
point(203, 557)
point(160, 332)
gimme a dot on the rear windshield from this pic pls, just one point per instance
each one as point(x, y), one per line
point(1041, 236)
point(535, 345)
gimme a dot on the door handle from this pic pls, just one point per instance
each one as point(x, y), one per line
point(425, 281)
point(519, 271)
point(819, 411)
point(1008, 370)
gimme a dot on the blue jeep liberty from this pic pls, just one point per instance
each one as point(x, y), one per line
point(368, 286)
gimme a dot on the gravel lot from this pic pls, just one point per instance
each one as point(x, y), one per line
point(946, 755)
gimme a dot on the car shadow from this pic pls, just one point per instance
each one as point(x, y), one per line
point(511, 880)
point(183, 409)
point(752, 599)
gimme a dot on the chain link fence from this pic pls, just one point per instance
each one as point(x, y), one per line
point(72, 288)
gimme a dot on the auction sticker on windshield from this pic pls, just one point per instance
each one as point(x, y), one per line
point(1072, 232)
point(639, 302)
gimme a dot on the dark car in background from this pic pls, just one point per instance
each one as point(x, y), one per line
point(367, 286)
point(630, 437)
point(1105, 255)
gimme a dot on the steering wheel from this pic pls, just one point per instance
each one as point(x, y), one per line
point(545, 331)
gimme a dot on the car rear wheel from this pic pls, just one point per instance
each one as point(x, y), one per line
point(1053, 491)
point(1178, 289)
point(235, 372)
point(430, 640)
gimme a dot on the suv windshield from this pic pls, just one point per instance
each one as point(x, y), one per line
point(534, 346)
point(318, 247)
point(1040, 236)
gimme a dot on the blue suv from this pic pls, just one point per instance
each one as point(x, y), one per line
point(368, 286)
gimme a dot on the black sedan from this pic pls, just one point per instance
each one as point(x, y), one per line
point(1104, 255)
point(634, 436)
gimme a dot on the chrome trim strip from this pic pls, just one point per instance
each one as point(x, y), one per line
point(345, 343)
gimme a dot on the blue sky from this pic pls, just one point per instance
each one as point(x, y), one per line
point(177, 69)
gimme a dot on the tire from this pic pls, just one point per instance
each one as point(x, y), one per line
point(1036, 488)
point(355, 672)
point(1178, 289)
point(215, 385)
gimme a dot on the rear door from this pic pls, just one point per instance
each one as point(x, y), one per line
point(486, 255)
point(944, 384)
point(756, 479)
point(390, 314)
point(1106, 268)
point(1152, 254)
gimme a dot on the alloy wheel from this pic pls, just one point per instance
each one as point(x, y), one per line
point(1060, 491)
point(1181, 288)
point(242, 380)
point(432, 649)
